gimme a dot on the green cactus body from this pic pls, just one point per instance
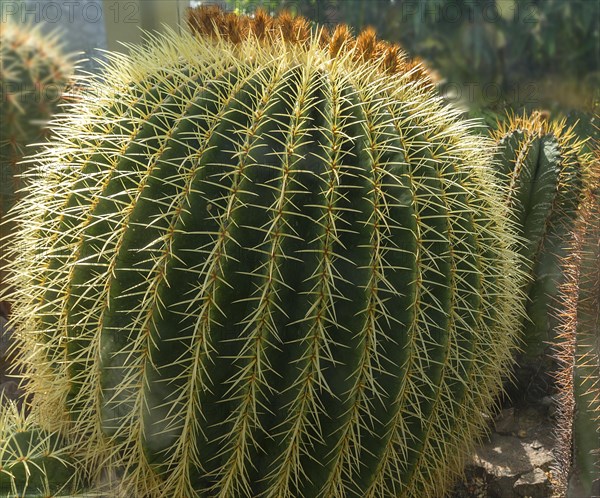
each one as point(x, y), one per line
point(34, 463)
point(578, 351)
point(33, 76)
point(257, 269)
point(544, 167)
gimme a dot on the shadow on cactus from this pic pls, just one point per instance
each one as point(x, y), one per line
point(265, 260)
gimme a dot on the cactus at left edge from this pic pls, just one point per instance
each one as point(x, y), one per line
point(34, 463)
point(34, 72)
point(577, 472)
point(544, 166)
point(267, 261)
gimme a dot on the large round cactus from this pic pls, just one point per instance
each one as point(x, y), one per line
point(33, 75)
point(265, 261)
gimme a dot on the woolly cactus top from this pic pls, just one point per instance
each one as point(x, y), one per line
point(211, 21)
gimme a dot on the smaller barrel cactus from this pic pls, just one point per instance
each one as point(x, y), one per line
point(578, 352)
point(33, 462)
point(34, 73)
point(544, 166)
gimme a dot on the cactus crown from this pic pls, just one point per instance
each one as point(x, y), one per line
point(213, 22)
point(538, 124)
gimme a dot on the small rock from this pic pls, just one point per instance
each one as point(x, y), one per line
point(502, 488)
point(549, 402)
point(531, 418)
point(5, 337)
point(506, 423)
point(9, 390)
point(506, 456)
point(504, 460)
point(534, 484)
point(536, 445)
